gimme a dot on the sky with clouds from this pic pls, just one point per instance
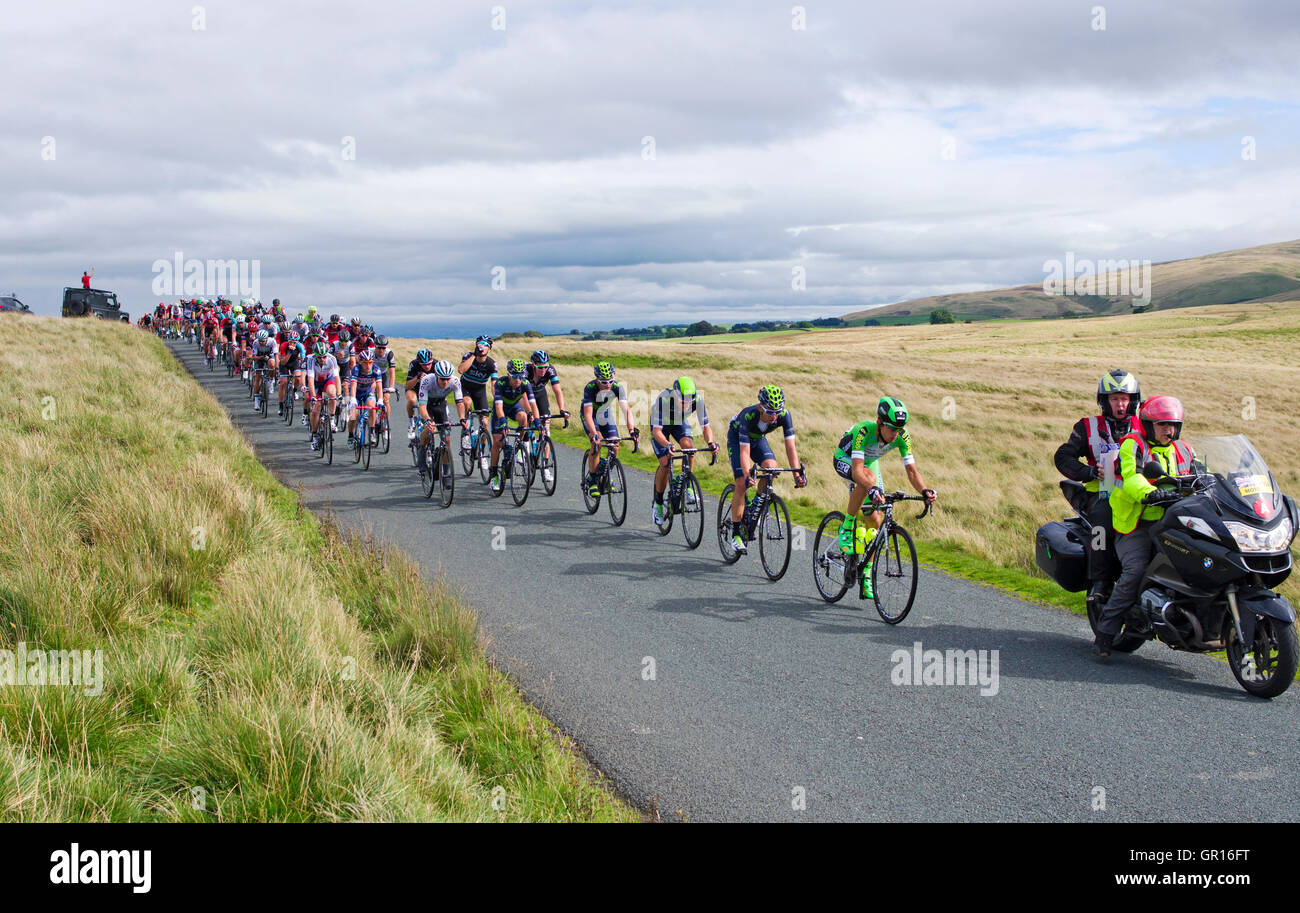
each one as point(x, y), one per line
point(632, 163)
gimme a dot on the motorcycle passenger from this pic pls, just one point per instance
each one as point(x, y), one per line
point(1089, 457)
point(1136, 503)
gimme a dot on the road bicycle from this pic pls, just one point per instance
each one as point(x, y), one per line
point(516, 464)
point(435, 462)
point(291, 394)
point(683, 496)
point(266, 386)
point(543, 453)
point(323, 434)
point(383, 429)
point(766, 519)
point(477, 453)
point(609, 480)
point(891, 555)
point(363, 439)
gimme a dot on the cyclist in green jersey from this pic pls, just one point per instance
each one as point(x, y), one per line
point(857, 460)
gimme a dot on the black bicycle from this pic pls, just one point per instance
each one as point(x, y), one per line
point(516, 468)
point(684, 496)
point(891, 555)
point(267, 384)
point(477, 453)
point(543, 453)
point(766, 519)
point(435, 462)
point(323, 435)
point(609, 481)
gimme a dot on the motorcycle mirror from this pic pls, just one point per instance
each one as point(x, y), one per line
point(1153, 470)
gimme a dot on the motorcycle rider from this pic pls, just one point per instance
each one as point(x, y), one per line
point(1136, 503)
point(1089, 457)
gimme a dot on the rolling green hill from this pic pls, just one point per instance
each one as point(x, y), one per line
point(1267, 273)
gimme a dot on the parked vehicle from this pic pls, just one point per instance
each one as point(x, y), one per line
point(83, 302)
point(9, 304)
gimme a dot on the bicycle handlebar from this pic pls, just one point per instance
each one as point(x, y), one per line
point(563, 415)
point(680, 453)
point(610, 442)
point(871, 507)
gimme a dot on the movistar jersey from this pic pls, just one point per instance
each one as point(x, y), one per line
point(749, 426)
point(512, 397)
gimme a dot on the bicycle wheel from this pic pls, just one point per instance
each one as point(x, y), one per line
point(266, 399)
point(355, 443)
point(616, 492)
point(692, 504)
point(288, 404)
point(774, 538)
point(503, 480)
point(367, 438)
point(426, 457)
point(832, 569)
point(446, 474)
point(670, 507)
point(329, 439)
point(384, 433)
point(520, 474)
point(483, 457)
point(591, 503)
point(729, 554)
point(547, 465)
point(466, 453)
point(893, 576)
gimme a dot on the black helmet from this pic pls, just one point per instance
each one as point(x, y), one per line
point(1118, 381)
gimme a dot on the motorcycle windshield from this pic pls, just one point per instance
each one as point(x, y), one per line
point(1246, 479)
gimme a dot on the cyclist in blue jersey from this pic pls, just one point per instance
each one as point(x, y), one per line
point(512, 400)
point(747, 446)
point(367, 383)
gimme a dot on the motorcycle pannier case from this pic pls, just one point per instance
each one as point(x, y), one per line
point(1058, 550)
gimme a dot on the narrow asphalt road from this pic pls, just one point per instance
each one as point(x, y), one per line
point(765, 703)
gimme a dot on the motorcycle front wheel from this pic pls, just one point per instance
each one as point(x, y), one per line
point(1269, 666)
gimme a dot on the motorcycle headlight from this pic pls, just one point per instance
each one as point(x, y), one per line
point(1250, 539)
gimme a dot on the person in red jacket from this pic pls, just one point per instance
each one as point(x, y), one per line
point(86, 277)
point(1089, 457)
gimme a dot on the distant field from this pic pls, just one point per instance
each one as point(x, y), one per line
point(1010, 391)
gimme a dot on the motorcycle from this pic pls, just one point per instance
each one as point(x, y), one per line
point(1221, 547)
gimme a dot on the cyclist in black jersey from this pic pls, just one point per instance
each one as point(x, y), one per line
point(512, 400)
point(477, 370)
point(599, 418)
point(541, 373)
point(420, 365)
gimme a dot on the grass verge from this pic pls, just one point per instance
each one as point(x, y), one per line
point(257, 664)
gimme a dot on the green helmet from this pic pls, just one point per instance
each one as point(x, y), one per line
point(321, 350)
point(891, 412)
point(685, 386)
point(604, 370)
point(516, 367)
point(771, 397)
